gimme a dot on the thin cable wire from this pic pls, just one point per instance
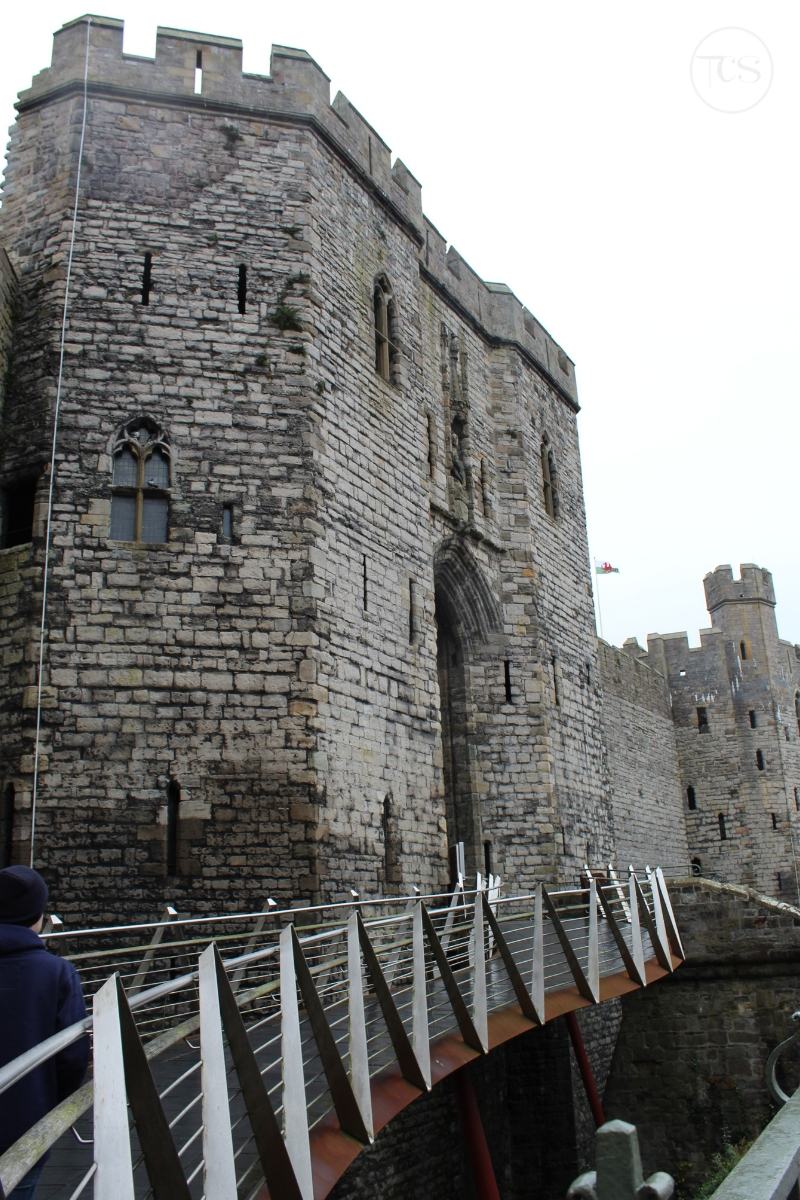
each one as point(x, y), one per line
point(55, 441)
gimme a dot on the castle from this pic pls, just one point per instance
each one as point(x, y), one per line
point(319, 605)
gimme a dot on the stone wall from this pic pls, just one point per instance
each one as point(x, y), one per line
point(642, 761)
point(688, 1069)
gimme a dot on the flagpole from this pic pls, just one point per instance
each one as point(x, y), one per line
point(599, 609)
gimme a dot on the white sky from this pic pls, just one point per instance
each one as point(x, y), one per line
point(563, 150)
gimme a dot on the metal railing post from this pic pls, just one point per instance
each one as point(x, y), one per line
point(593, 965)
point(537, 959)
point(419, 1004)
point(112, 1142)
point(480, 1016)
point(637, 950)
point(359, 1052)
point(295, 1114)
point(219, 1171)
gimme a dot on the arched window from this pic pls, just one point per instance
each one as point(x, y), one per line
point(691, 797)
point(140, 486)
point(723, 833)
point(7, 845)
point(549, 479)
point(386, 349)
point(173, 818)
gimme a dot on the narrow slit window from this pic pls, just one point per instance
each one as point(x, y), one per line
point(547, 481)
point(173, 820)
point(691, 797)
point(797, 709)
point(19, 502)
point(774, 820)
point(780, 882)
point(487, 858)
point(227, 521)
point(412, 612)
point(364, 595)
point(485, 487)
point(147, 278)
point(241, 294)
point(431, 443)
point(797, 799)
point(9, 797)
point(702, 720)
point(753, 718)
point(743, 651)
point(760, 759)
point(556, 683)
point(723, 833)
point(198, 73)
point(507, 680)
point(389, 853)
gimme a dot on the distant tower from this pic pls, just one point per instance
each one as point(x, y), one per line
point(736, 703)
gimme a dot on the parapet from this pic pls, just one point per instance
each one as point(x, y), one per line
point(296, 88)
point(753, 586)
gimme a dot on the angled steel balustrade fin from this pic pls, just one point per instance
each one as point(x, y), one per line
point(480, 1015)
point(662, 956)
point(160, 1156)
point(219, 1170)
point(512, 970)
point(465, 1025)
point(401, 1045)
point(630, 964)
point(537, 957)
point(581, 982)
point(272, 1152)
point(669, 916)
point(658, 911)
point(344, 1101)
point(419, 1002)
point(593, 964)
point(357, 1028)
point(295, 1112)
point(637, 950)
point(112, 1142)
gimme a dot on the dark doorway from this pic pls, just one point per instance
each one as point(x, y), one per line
point(463, 820)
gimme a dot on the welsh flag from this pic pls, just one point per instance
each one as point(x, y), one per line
point(604, 568)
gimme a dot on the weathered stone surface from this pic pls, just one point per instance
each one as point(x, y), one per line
point(287, 675)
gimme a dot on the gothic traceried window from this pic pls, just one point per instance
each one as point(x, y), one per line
point(386, 349)
point(140, 484)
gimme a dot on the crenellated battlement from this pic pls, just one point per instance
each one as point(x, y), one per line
point(754, 586)
point(297, 89)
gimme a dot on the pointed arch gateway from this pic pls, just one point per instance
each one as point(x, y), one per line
point(469, 638)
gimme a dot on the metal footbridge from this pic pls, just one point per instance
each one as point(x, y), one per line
point(254, 1056)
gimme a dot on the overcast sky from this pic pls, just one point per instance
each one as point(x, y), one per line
point(577, 152)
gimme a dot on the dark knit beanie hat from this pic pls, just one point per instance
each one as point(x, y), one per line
point(23, 896)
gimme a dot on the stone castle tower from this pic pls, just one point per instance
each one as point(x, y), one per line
point(319, 599)
point(736, 711)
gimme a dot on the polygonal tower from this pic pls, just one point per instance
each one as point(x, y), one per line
point(319, 604)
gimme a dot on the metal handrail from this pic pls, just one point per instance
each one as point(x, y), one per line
point(473, 926)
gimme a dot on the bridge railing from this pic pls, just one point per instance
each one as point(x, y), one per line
point(271, 1047)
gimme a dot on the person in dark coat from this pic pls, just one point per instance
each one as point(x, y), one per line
point(40, 994)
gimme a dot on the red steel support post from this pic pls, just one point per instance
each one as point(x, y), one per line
point(585, 1069)
point(475, 1136)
